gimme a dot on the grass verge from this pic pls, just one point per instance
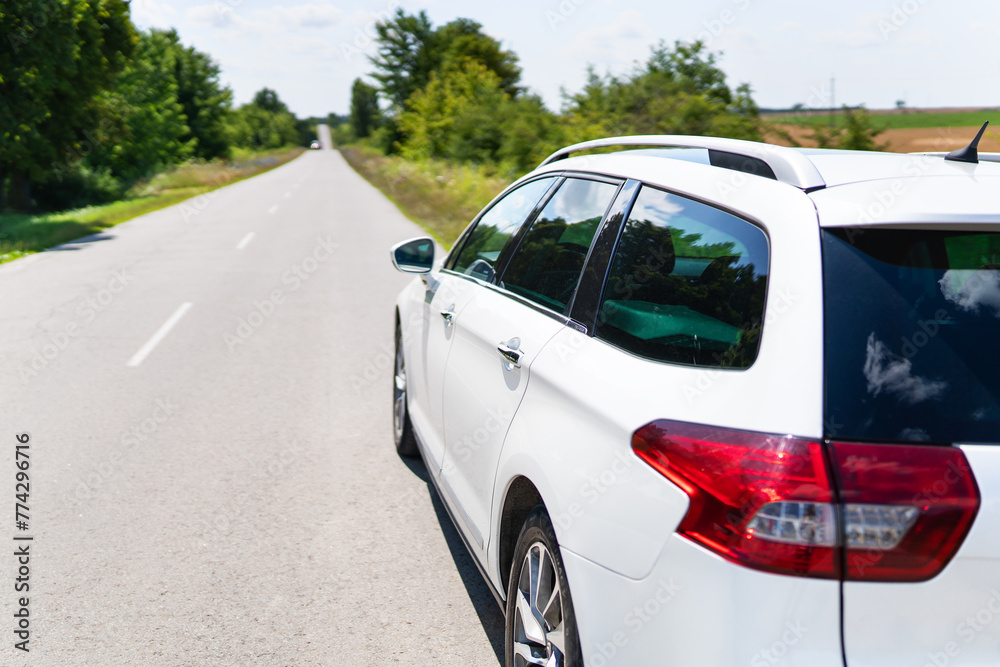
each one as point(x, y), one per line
point(439, 197)
point(22, 234)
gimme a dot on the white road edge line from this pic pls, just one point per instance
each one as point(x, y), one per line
point(273, 209)
point(139, 356)
point(246, 239)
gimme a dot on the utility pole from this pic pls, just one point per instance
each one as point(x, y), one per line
point(833, 101)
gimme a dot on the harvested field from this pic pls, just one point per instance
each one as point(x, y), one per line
point(907, 140)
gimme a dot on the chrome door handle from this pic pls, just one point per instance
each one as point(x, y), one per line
point(449, 316)
point(510, 352)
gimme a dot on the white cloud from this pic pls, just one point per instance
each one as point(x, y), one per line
point(863, 32)
point(273, 20)
point(152, 14)
point(788, 26)
point(302, 16)
point(970, 290)
point(893, 374)
point(622, 41)
point(213, 16)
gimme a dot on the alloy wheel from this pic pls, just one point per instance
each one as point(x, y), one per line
point(538, 612)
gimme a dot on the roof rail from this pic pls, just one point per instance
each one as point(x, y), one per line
point(789, 165)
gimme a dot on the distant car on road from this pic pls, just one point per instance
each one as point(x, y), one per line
point(714, 402)
point(315, 145)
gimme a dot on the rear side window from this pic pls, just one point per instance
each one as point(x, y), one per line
point(495, 228)
point(912, 322)
point(687, 284)
point(547, 264)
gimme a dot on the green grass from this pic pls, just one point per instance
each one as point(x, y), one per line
point(440, 197)
point(22, 234)
point(898, 121)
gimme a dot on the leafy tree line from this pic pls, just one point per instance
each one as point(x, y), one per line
point(89, 105)
point(453, 93)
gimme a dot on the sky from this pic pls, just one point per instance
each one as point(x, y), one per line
point(927, 53)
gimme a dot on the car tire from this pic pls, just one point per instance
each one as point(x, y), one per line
point(402, 428)
point(541, 625)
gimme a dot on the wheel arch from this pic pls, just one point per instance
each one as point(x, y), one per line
point(521, 497)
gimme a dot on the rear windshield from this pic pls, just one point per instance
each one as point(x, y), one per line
point(912, 335)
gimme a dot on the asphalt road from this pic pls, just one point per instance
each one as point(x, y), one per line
point(224, 491)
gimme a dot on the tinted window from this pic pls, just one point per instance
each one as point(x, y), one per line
point(912, 327)
point(687, 284)
point(495, 228)
point(547, 264)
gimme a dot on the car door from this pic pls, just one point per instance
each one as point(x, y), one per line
point(499, 334)
point(448, 292)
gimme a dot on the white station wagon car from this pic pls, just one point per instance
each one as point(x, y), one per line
point(709, 402)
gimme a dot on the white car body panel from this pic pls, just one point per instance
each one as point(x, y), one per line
point(427, 347)
point(481, 394)
point(695, 608)
point(919, 201)
point(953, 620)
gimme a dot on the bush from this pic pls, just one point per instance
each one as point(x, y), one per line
point(74, 187)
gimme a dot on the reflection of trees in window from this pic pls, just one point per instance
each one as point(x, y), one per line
point(723, 285)
point(550, 258)
point(498, 224)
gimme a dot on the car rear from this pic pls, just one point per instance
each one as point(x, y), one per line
point(912, 406)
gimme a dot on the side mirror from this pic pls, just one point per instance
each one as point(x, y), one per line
point(414, 256)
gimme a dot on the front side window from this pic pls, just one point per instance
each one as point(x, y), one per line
point(547, 264)
point(687, 284)
point(912, 323)
point(495, 228)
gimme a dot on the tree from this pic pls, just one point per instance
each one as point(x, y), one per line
point(364, 109)
point(858, 133)
point(264, 123)
point(268, 100)
point(456, 116)
point(463, 40)
point(677, 91)
point(530, 133)
point(143, 107)
point(54, 59)
point(404, 59)
point(206, 102)
point(410, 51)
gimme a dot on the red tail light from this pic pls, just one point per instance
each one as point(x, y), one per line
point(935, 484)
point(781, 504)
